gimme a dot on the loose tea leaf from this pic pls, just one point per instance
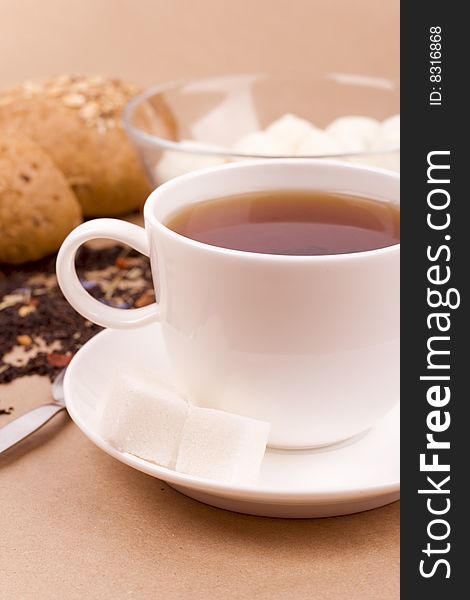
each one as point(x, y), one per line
point(35, 316)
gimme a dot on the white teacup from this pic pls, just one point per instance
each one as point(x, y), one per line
point(308, 343)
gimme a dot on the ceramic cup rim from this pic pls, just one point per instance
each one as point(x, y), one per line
point(204, 175)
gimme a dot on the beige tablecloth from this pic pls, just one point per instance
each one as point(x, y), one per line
point(74, 523)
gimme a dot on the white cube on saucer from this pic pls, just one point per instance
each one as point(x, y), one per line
point(143, 416)
point(219, 445)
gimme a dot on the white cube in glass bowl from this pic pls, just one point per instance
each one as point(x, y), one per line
point(179, 127)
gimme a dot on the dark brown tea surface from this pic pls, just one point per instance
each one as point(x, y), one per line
point(291, 222)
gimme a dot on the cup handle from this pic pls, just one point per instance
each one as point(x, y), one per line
point(79, 298)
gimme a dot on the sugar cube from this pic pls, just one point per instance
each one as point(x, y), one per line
point(143, 416)
point(353, 133)
point(174, 162)
point(388, 134)
point(386, 137)
point(262, 143)
point(291, 131)
point(318, 143)
point(222, 446)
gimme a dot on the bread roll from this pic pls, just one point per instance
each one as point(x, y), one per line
point(77, 121)
point(37, 207)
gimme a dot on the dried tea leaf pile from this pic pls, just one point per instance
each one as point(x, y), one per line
point(39, 331)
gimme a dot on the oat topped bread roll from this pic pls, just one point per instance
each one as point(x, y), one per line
point(37, 207)
point(77, 121)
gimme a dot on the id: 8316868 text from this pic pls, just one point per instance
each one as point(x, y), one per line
point(435, 65)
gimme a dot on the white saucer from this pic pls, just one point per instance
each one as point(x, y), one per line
point(351, 477)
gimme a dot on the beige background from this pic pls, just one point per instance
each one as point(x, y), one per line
point(74, 523)
point(157, 40)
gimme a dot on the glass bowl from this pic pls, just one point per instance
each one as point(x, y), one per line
point(182, 126)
